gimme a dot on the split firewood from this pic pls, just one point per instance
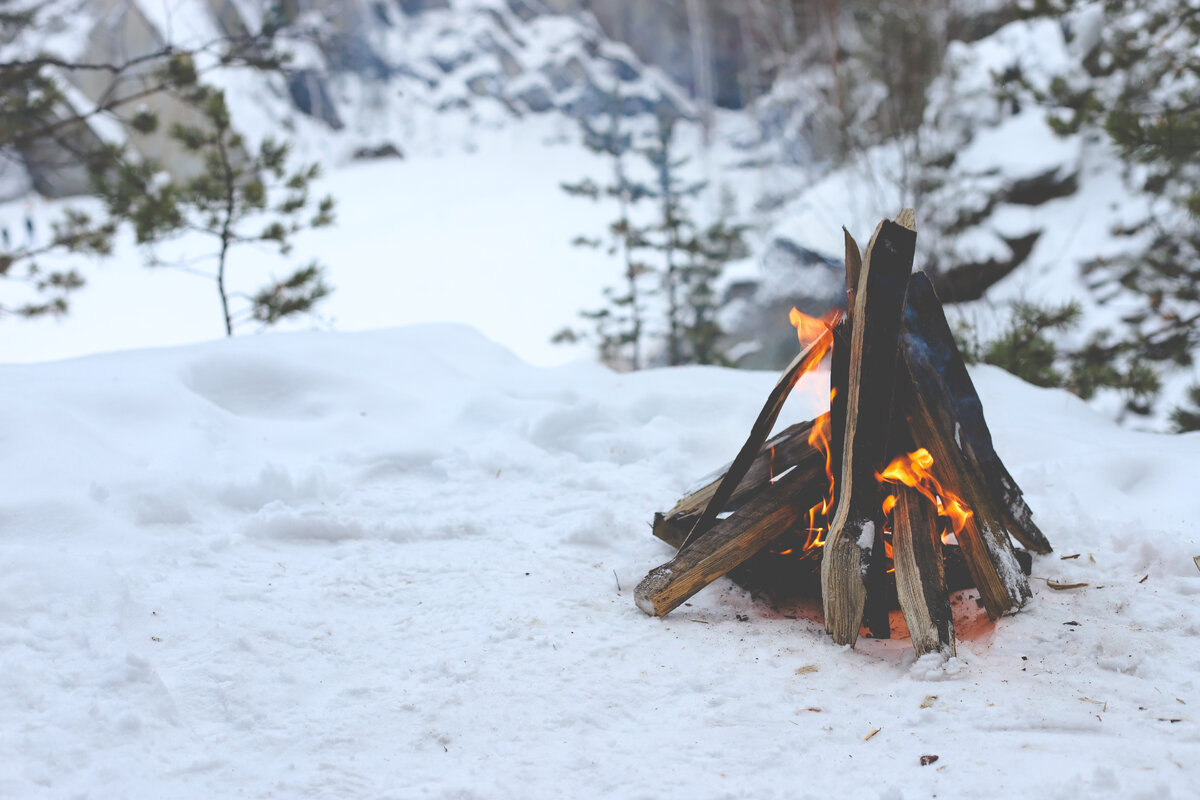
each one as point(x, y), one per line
point(876, 616)
point(928, 334)
point(944, 416)
point(808, 358)
point(782, 451)
point(855, 533)
point(920, 575)
point(853, 269)
point(731, 541)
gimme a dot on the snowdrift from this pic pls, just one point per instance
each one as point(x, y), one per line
point(400, 564)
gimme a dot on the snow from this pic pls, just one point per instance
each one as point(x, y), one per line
point(400, 563)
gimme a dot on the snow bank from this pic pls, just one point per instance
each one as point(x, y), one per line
point(400, 564)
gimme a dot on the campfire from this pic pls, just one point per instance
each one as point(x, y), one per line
point(894, 497)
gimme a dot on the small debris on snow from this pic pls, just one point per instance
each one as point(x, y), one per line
point(868, 737)
point(807, 669)
point(1062, 586)
point(927, 702)
point(927, 760)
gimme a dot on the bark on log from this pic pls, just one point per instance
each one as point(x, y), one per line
point(937, 406)
point(731, 541)
point(858, 519)
point(920, 575)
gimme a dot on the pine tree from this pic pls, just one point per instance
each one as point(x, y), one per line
point(34, 112)
point(620, 330)
point(706, 257)
point(675, 229)
point(240, 197)
point(1031, 347)
point(1137, 84)
point(1187, 417)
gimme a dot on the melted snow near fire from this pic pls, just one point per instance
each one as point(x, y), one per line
point(400, 564)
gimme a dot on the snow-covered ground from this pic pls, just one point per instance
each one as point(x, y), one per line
point(400, 564)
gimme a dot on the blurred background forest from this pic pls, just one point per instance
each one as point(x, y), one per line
point(645, 183)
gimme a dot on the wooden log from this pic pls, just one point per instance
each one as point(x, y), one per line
point(808, 358)
point(944, 416)
point(928, 334)
point(876, 616)
point(786, 449)
point(853, 270)
point(920, 574)
point(730, 541)
point(857, 526)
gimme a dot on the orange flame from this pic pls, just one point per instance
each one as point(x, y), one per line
point(819, 438)
point(809, 329)
point(912, 470)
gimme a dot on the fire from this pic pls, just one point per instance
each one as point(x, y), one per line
point(912, 470)
point(808, 330)
point(820, 439)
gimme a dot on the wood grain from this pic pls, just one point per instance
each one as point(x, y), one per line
point(857, 525)
point(730, 542)
point(920, 575)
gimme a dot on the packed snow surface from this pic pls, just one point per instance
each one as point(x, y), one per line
point(401, 564)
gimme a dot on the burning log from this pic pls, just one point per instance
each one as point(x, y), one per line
point(801, 364)
point(855, 534)
point(899, 390)
point(933, 359)
point(920, 575)
point(931, 408)
point(786, 449)
point(730, 542)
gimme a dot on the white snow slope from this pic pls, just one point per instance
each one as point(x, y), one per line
point(386, 564)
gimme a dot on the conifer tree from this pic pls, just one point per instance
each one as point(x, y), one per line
point(620, 328)
point(1030, 347)
point(674, 231)
point(1136, 82)
point(1187, 417)
point(34, 113)
point(240, 197)
point(706, 256)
